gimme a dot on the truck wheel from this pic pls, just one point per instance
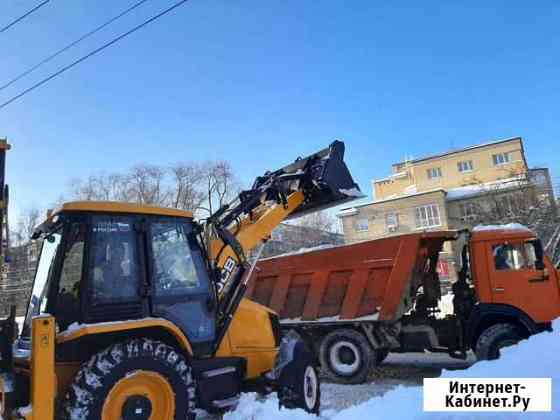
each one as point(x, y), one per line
point(380, 356)
point(139, 379)
point(299, 385)
point(495, 338)
point(346, 356)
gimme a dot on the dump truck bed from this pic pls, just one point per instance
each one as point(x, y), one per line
point(371, 280)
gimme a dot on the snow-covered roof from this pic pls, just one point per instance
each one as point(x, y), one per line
point(464, 149)
point(469, 191)
point(509, 226)
point(347, 212)
point(397, 175)
point(351, 211)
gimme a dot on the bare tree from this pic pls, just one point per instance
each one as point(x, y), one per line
point(187, 186)
point(519, 200)
point(220, 185)
point(187, 179)
point(26, 224)
point(147, 185)
point(102, 187)
point(320, 220)
point(313, 228)
point(553, 246)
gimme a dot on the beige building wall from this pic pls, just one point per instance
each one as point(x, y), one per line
point(375, 215)
point(413, 177)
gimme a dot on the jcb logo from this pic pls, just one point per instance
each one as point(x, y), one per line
point(227, 271)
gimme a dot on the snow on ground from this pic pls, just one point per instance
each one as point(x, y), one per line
point(401, 397)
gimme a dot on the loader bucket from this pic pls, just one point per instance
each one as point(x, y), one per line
point(326, 180)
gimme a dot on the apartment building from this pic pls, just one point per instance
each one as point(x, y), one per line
point(444, 191)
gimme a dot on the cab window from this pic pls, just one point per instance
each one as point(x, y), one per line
point(509, 257)
point(114, 268)
point(174, 269)
point(68, 298)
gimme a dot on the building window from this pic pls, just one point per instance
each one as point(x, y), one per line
point(392, 221)
point(465, 166)
point(501, 159)
point(468, 211)
point(361, 225)
point(434, 173)
point(427, 216)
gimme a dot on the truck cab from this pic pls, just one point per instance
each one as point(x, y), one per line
point(510, 268)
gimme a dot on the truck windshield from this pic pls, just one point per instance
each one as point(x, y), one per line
point(38, 299)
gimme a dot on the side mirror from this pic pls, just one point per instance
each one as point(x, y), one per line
point(539, 254)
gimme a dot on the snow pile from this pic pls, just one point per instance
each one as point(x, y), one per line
point(303, 251)
point(251, 409)
point(538, 357)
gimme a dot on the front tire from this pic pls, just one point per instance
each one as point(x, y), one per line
point(135, 380)
point(495, 338)
point(346, 356)
point(299, 385)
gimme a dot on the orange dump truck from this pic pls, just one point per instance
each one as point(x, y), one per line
point(355, 303)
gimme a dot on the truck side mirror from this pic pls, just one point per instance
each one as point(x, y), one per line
point(539, 254)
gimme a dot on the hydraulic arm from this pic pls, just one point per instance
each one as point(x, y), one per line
point(316, 182)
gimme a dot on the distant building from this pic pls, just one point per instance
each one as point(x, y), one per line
point(289, 238)
point(447, 191)
point(17, 277)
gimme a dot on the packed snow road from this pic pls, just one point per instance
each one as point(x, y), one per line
point(398, 369)
point(395, 390)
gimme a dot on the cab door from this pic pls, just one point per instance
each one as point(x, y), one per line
point(520, 279)
point(181, 288)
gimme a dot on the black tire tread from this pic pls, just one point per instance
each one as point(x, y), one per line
point(93, 380)
point(488, 338)
point(368, 356)
point(294, 398)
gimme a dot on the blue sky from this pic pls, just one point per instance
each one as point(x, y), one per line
point(261, 82)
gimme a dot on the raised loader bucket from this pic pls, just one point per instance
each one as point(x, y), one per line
point(326, 179)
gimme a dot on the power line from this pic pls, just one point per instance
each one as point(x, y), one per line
point(85, 57)
point(12, 23)
point(67, 47)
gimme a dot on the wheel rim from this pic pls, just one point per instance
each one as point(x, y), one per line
point(141, 395)
point(345, 357)
point(310, 387)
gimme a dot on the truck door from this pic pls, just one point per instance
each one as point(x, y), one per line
point(518, 278)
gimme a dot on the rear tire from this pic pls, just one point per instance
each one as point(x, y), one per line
point(494, 338)
point(346, 356)
point(136, 379)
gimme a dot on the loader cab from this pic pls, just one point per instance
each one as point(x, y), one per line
point(108, 262)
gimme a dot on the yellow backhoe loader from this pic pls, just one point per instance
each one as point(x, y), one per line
point(138, 313)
